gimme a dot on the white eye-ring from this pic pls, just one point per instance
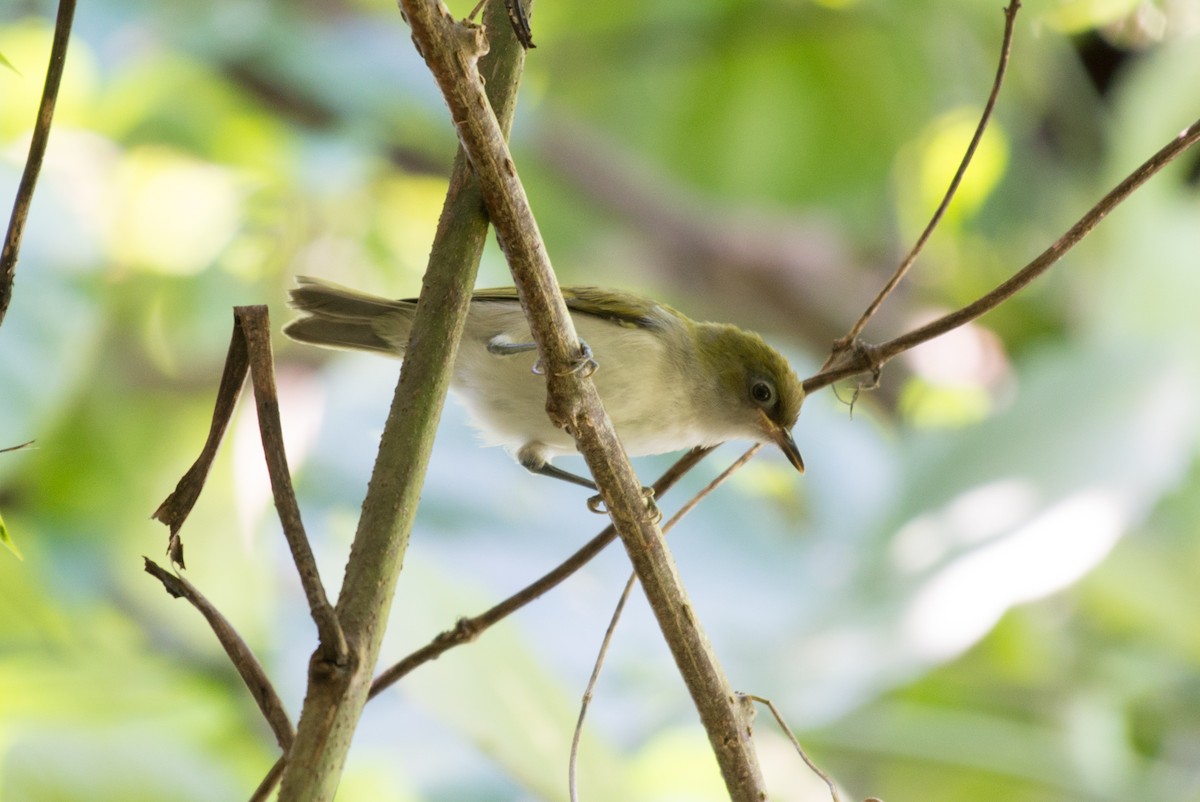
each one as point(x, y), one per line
point(762, 392)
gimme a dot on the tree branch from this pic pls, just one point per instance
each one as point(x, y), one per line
point(865, 358)
point(256, 328)
point(467, 629)
point(1010, 19)
point(450, 48)
point(577, 736)
point(250, 349)
point(247, 665)
point(336, 694)
point(37, 152)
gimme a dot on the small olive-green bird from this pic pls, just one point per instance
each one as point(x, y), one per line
point(668, 382)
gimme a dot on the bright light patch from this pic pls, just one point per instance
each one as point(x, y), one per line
point(941, 152)
point(964, 601)
point(1075, 16)
point(973, 517)
point(174, 213)
point(301, 410)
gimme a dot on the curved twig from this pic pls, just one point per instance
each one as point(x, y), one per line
point(864, 358)
point(1010, 18)
point(247, 665)
point(467, 629)
point(37, 152)
point(813, 767)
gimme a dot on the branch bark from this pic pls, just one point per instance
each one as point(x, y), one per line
point(450, 49)
point(243, 659)
point(37, 151)
point(865, 358)
point(336, 693)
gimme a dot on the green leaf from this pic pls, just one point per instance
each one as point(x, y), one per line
point(7, 540)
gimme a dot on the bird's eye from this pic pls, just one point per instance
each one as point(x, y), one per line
point(762, 392)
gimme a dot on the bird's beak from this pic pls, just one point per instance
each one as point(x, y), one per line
point(783, 439)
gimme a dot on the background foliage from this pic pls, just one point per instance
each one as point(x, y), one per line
point(985, 586)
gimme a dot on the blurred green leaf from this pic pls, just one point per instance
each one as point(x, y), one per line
point(7, 540)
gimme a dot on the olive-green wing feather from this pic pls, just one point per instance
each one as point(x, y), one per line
point(616, 306)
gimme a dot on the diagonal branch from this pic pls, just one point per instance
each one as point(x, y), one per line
point(250, 350)
point(336, 694)
point(255, 326)
point(248, 667)
point(450, 50)
point(864, 358)
point(1010, 19)
point(576, 738)
point(467, 629)
point(37, 152)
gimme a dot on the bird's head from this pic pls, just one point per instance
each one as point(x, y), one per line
point(757, 394)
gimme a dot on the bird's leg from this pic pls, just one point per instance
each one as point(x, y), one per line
point(499, 346)
point(534, 462)
point(586, 365)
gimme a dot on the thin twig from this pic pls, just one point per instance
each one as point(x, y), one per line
point(256, 328)
point(176, 507)
point(796, 743)
point(467, 629)
point(1010, 18)
point(250, 351)
point(871, 358)
point(263, 792)
point(586, 701)
point(24, 445)
point(588, 692)
point(243, 659)
point(37, 152)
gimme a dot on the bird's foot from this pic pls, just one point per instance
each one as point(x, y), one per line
point(584, 366)
point(596, 505)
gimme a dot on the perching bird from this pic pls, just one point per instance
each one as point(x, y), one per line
point(667, 382)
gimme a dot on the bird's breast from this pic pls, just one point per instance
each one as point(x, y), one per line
point(640, 380)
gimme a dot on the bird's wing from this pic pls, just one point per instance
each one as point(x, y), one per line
point(623, 308)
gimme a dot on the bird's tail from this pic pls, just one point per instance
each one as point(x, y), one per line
point(339, 317)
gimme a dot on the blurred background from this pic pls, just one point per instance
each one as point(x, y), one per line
point(986, 586)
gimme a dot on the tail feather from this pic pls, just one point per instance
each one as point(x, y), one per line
point(339, 317)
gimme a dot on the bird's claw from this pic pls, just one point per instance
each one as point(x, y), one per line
point(596, 505)
point(585, 366)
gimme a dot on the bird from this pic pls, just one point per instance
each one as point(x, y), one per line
point(668, 383)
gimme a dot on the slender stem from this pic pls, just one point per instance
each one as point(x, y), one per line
point(1010, 18)
point(813, 767)
point(871, 358)
point(243, 659)
point(37, 152)
point(256, 328)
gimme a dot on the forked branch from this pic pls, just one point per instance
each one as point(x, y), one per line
point(864, 358)
point(1010, 19)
